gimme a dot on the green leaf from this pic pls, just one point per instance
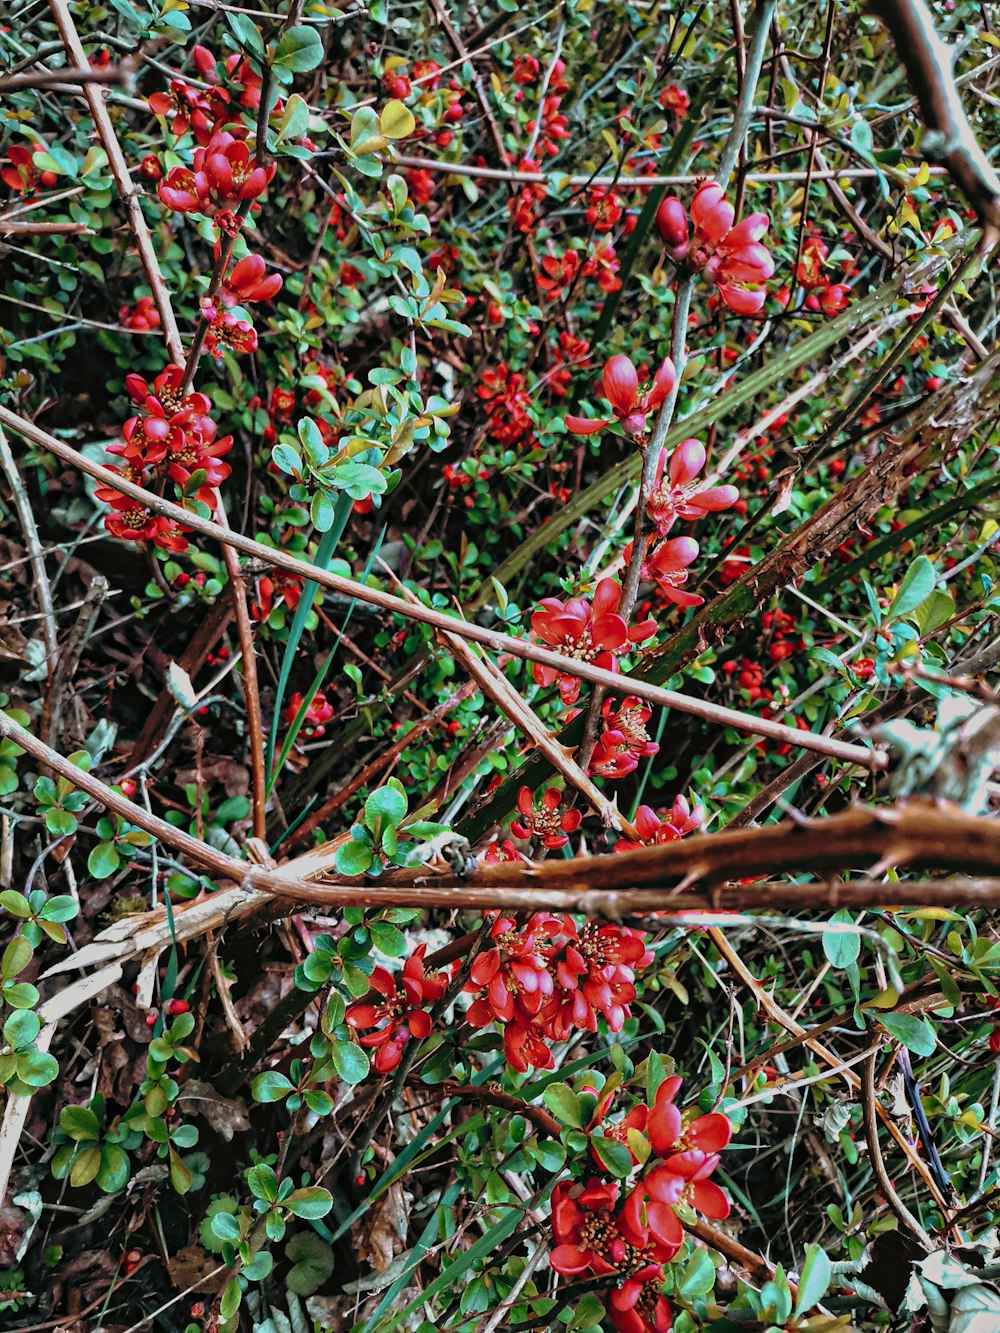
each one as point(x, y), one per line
point(103, 860)
point(310, 1203)
point(386, 803)
point(366, 134)
point(350, 1061)
point(697, 1278)
point(916, 586)
point(564, 1104)
point(114, 1173)
point(59, 908)
point(85, 1167)
point(15, 903)
point(815, 1278)
point(271, 1086)
point(21, 1029)
point(231, 1298)
point(263, 1183)
point(294, 123)
point(300, 49)
point(916, 1034)
point(312, 1260)
point(387, 939)
point(80, 1123)
point(226, 1227)
point(841, 947)
point(16, 957)
point(615, 1157)
point(353, 858)
point(396, 121)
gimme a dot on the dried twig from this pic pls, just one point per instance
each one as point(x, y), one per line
point(43, 590)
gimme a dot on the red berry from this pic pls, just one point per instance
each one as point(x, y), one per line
point(127, 787)
point(150, 1019)
point(175, 1007)
point(360, 1178)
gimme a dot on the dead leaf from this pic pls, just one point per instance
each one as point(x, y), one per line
point(194, 1269)
point(226, 1115)
point(383, 1234)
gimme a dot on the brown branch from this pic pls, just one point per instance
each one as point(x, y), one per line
point(497, 642)
point(119, 169)
point(928, 62)
point(44, 78)
point(649, 879)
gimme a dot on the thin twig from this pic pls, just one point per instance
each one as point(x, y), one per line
point(119, 169)
point(43, 590)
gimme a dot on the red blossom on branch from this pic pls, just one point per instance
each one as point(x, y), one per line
point(730, 256)
point(588, 631)
point(677, 492)
point(400, 1014)
point(620, 384)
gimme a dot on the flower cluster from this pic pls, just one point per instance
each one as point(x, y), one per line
point(590, 631)
point(624, 739)
point(822, 293)
point(731, 257)
point(22, 174)
point(548, 978)
point(558, 275)
point(172, 436)
point(628, 1233)
point(402, 1011)
point(508, 404)
point(318, 714)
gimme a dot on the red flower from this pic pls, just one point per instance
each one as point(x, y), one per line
point(730, 256)
point(143, 318)
point(620, 383)
point(675, 99)
point(653, 830)
point(596, 975)
point(132, 521)
point(226, 331)
point(677, 493)
point(625, 740)
point(223, 177)
point(549, 822)
point(583, 1224)
point(515, 970)
point(834, 299)
point(595, 1238)
point(400, 1014)
point(667, 565)
point(589, 632)
point(604, 208)
point(250, 281)
point(319, 712)
point(278, 588)
point(499, 853)
point(689, 1154)
point(197, 109)
point(23, 175)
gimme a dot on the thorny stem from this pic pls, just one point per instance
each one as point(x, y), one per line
point(678, 353)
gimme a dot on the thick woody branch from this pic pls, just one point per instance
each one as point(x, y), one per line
point(928, 62)
point(499, 643)
point(657, 878)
